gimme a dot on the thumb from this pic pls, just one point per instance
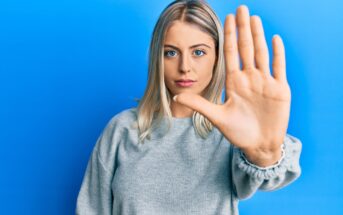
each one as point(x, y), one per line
point(199, 104)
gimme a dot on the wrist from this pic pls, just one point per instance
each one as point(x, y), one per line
point(264, 158)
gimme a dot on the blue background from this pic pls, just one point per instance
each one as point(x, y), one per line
point(68, 66)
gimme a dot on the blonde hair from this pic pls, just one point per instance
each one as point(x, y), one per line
point(156, 99)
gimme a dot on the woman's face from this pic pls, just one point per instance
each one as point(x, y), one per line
point(189, 54)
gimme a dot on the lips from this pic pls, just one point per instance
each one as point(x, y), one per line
point(184, 82)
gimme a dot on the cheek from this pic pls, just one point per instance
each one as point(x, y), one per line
point(168, 78)
point(206, 68)
point(206, 76)
point(207, 62)
point(167, 74)
point(167, 71)
point(169, 68)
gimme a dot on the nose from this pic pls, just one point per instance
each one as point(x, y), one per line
point(185, 64)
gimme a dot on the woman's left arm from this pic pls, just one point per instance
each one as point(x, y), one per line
point(255, 115)
point(247, 177)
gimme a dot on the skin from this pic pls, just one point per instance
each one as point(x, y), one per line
point(189, 53)
point(256, 111)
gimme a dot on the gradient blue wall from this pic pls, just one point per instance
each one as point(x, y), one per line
point(68, 66)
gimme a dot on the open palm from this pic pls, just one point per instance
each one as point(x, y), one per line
point(256, 111)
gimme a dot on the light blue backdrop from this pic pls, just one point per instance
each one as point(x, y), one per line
point(68, 66)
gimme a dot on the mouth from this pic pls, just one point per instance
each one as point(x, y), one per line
point(184, 82)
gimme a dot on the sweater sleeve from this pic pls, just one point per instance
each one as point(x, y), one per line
point(248, 178)
point(95, 196)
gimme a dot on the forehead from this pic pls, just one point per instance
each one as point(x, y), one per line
point(184, 34)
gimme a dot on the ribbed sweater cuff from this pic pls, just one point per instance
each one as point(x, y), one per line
point(269, 171)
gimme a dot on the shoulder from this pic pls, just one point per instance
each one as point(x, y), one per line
point(113, 134)
point(124, 119)
point(113, 130)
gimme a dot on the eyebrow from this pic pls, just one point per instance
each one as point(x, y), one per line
point(193, 46)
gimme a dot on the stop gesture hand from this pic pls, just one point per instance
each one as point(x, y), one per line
point(256, 111)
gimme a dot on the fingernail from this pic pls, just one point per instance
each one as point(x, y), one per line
point(174, 98)
point(276, 35)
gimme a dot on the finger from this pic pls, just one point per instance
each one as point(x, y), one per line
point(230, 45)
point(245, 41)
point(199, 104)
point(260, 45)
point(279, 59)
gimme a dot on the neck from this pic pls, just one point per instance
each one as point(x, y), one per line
point(180, 111)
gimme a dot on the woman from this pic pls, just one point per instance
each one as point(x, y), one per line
point(183, 151)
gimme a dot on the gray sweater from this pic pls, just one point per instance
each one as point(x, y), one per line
point(179, 173)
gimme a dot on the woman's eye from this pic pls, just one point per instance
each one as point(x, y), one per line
point(198, 52)
point(167, 52)
point(172, 53)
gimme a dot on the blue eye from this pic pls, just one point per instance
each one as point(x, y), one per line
point(199, 51)
point(166, 53)
point(172, 53)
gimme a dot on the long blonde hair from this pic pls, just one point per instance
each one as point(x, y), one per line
point(155, 103)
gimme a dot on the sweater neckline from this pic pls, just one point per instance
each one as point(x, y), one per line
point(179, 121)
